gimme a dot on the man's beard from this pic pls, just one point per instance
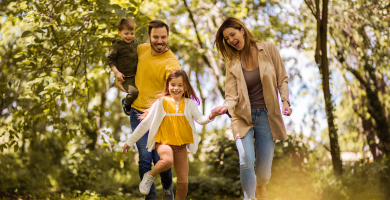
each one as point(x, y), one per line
point(151, 44)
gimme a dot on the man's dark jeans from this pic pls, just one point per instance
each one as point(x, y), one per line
point(146, 158)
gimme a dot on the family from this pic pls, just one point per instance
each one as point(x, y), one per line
point(162, 104)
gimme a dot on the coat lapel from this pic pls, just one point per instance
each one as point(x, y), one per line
point(236, 69)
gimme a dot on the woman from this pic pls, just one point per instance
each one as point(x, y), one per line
point(254, 74)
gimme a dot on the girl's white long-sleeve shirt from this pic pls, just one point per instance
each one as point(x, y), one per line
point(156, 115)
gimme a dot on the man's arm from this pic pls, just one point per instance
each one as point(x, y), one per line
point(172, 66)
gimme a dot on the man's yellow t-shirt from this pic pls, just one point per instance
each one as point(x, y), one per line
point(152, 74)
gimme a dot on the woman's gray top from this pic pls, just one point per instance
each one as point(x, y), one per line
point(255, 88)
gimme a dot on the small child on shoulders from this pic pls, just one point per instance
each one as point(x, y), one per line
point(123, 61)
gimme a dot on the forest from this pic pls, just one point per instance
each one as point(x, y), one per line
point(62, 126)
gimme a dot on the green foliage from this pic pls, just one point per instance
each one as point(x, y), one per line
point(57, 77)
point(362, 181)
point(40, 174)
point(222, 175)
point(59, 128)
point(360, 32)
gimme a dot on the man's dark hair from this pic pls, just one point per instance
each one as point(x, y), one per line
point(157, 24)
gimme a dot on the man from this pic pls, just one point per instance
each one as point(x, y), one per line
point(155, 62)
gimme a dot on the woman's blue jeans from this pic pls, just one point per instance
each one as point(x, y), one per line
point(146, 158)
point(264, 152)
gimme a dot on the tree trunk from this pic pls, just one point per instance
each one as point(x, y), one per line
point(333, 137)
point(321, 58)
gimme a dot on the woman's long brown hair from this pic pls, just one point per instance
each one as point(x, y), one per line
point(227, 51)
point(188, 90)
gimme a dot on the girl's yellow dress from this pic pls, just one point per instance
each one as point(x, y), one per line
point(174, 129)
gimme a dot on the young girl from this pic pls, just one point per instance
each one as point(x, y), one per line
point(170, 122)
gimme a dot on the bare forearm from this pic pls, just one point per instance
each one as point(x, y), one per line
point(114, 69)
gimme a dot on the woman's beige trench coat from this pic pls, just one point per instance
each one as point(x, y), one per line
point(273, 78)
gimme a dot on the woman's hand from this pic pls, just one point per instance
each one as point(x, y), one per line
point(220, 110)
point(286, 110)
point(217, 112)
point(126, 148)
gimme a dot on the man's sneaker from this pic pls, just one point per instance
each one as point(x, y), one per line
point(126, 108)
point(146, 183)
point(168, 193)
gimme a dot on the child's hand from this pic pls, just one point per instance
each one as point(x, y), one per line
point(212, 115)
point(217, 111)
point(119, 76)
point(220, 110)
point(126, 148)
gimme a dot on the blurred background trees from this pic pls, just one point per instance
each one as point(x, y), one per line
point(62, 125)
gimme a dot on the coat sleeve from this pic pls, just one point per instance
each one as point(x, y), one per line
point(144, 126)
point(231, 93)
point(197, 115)
point(281, 75)
point(112, 55)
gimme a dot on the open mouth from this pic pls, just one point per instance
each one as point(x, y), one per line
point(176, 92)
point(160, 46)
point(236, 44)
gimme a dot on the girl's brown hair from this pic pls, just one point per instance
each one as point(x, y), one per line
point(224, 48)
point(189, 92)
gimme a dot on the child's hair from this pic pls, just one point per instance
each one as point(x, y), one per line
point(128, 24)
point(188, 90)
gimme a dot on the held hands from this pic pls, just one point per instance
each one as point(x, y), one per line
point(220, 110)
point(286, 110)
point(126, 148)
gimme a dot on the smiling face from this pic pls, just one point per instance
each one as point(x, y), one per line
point(176, 88)
point(234, 37)
point(158, 40)
point(126, 35)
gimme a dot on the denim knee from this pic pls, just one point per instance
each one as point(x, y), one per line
point(246, 163)
point(145, 157)
point(246, 154)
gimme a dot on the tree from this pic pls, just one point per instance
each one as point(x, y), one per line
point(321, 58)
point(360, 33)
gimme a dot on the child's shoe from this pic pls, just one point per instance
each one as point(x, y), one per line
point(146, 183)
point(126, 108)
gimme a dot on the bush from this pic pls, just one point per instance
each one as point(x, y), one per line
point(102, 172)
point(361, 181)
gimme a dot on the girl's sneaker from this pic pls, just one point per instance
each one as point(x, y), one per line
point(146, 183)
